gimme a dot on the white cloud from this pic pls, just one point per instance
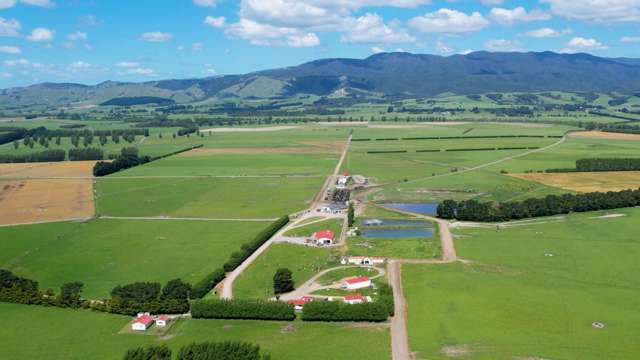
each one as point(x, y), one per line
point(630, 39)
point(41, 3)
point(492, 2)
point(216, 22)
point(77, 36)
point(140, 71)
point(597, 10)
point(9, 27)
point(370, 28)
point(6, 4)
point(205, 3)
point(209, 70)
point(580, 44)
point(128, 64)
point(13, 50)
point(5, 75)
point(377, 50)
point(449, 21)
point(18, 62)
point(466, 52)
point(502, 45)
point(155, 36)
point(79, 66)
point(547, 33)
point(443, 48)
point(268, 35)
point(197, 47)
point(41, 34)
point(511, 16)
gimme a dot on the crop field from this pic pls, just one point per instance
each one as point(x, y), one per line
point(106, 253)
point(45, 192)
point(532, 291)
point(587, 181)
point(62, 334)
point(261, 198)
point(257, 281)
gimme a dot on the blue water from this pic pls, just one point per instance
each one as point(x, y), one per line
point(386, 222)
point(427, 208)
point(397, 233)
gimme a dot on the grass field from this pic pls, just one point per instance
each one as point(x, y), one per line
point(205, 197)
point(532, 291)
point(304, 262)
point(334, 225)
point(61, 334)
point(106, 253)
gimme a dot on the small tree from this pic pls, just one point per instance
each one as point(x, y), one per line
point(58, 140)
point(283, 281)
point(350, 215)
point(70, 294)
point(16, 144)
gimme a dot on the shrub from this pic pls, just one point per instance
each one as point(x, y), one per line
point(159, 352)
point(283, 281)
point(242, 309)
point(339, 311)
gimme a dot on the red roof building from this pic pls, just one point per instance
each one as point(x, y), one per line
point(142, 323)
point(357, 283)
point(324, 237)
point(355, 299)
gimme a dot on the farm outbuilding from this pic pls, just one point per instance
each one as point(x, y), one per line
point(163, 320)
point(355, 299)
point(357, 283)
point(324, 237)
point(142, 323)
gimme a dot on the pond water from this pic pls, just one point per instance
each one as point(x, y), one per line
point(396, 233)
point(425, 208)
point(388, 222)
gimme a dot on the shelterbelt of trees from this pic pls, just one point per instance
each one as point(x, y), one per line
point(473, 210)
point(596, 165)
point(227, 350)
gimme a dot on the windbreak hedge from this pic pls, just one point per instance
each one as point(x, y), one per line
point(242, 309)
point(248, 248)
point(340, 311)
point(43, 156)
point(205, 285)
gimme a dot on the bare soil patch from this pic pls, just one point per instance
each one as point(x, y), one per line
point(28, 201)
point(456, 351)
point(606, 135)
point(243, 129)
point(587, 181)
point(64, 169)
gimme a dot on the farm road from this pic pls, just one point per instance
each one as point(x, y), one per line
point(179, 218)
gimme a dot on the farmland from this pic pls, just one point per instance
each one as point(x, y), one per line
point(547, 281)
point(106, 253)
point(587, 182)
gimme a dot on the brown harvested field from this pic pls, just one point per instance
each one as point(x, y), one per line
point(310, 147)
point(606, 135)
point(28, 201)
point(587, 181)
point(40, 192)
point(64, 169)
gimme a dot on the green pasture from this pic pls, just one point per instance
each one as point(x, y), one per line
point(204, 197)
point(532, 291)
point(106, 253)
point(401, 248)
point(237, 165)
point(304, 262)
point(343, 273)
point(34, 332)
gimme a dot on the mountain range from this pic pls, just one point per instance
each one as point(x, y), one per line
point(397, 75)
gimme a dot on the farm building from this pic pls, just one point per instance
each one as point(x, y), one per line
point(300, 303)
point(363, 260)
point(142, 322)
point(356, 299)
point(163, 320)
point(324, 237)
point(357, 283)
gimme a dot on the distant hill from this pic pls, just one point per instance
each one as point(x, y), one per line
point(381, 75)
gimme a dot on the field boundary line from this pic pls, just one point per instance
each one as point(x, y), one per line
point(48, 221)
point(160, 218)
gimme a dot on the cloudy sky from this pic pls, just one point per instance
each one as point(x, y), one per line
point(89, 41)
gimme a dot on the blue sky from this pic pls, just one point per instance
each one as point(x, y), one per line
point(89, 41)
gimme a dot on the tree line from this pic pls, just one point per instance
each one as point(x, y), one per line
point(226, 350)
point(19, 290)
point(137, 297)
point(128, 158)
point(245, 309)
point(210, 281)
point(601, 164)
point(42, 156)
point(473, 210)
point(320, 310)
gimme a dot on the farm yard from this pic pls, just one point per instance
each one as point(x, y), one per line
point(186, 215)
